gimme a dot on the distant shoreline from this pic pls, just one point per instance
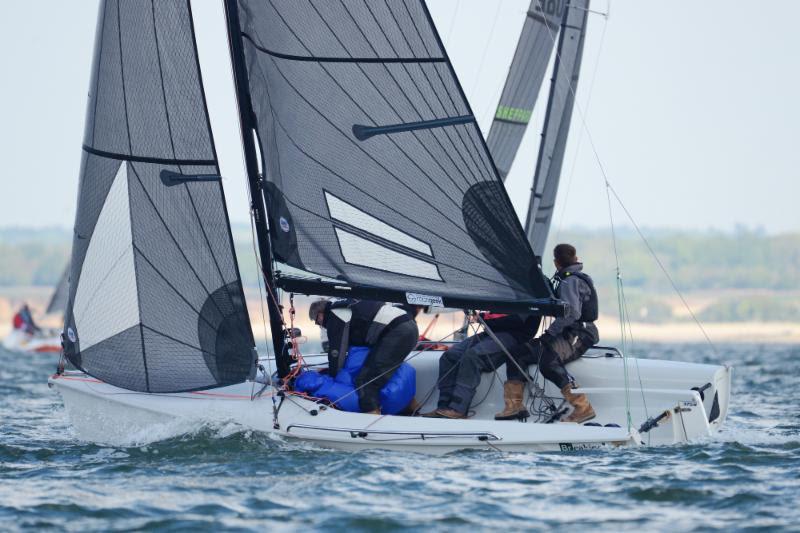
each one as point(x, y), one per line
point(672, 331)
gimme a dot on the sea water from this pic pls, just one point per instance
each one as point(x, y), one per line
point(745, 478)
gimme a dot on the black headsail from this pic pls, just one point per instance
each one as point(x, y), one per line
point(378, 182)
point(525, 76)
point(155, 300)
point(556, 124)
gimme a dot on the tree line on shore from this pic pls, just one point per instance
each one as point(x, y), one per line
point(756, 276)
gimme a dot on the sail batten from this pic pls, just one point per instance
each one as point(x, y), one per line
point(156, 302)
point(381, 124)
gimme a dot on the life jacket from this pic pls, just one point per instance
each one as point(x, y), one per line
point(19, 322)
point(590, 307)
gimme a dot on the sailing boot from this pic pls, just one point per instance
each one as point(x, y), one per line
point(513, 394)
point(582, 411)
point(444, 413)
point(412, 409)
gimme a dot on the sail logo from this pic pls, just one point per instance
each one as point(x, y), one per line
point(284, 224)
point(426, 300)
point(554, 8)
point(513, 114)
point(71, 335)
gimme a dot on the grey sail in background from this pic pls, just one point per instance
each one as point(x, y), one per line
point(524, 81)
point(58, 301)
point(155, 299)
point(556, 124)
point(378, 181)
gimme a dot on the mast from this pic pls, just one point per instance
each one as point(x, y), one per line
point(255, 182)
point(523, 81)
point(556, 123)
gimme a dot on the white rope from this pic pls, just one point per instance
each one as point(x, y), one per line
point(610, 191)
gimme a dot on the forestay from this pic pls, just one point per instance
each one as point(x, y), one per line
point(524, 81)
point(556, 125)
point(155, 300)
point(378, 182)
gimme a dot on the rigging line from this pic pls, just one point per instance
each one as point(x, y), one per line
point(481, 147)
point(486, 46)
point(580, 131)
point(663, 269)
point(453, 23)
point(416, 85)
point(636, 359)
point(252, 216)
point(260, 293)
point(604, 174)
point(620, 308)
point(388, 103)
point(486, 163)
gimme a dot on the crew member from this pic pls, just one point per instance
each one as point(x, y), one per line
point(567, 338)
point(388, 331)
point(461, 366)
point(23, 320)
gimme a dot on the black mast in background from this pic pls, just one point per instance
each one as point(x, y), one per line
point(246, 118)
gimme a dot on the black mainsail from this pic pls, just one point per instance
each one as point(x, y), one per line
point(556, 125)
point(155, 299)
point(377, 180)
point(524, 81)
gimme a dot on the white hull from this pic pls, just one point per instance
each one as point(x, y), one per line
point(19, 341)
point(107, 414)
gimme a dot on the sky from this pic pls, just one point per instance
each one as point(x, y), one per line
point(690, 107)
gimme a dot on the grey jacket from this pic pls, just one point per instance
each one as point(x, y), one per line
point(573, 291)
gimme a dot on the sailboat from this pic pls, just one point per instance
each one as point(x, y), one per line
point(47, 340)
point(368, 177)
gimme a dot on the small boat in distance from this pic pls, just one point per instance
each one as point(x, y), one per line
point(27, 336)
point(369, 178)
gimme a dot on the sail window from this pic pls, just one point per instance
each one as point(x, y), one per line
point(348, 214)
point(108, 269)
point(359, 251)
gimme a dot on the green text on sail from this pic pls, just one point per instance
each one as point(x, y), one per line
point(513, 114)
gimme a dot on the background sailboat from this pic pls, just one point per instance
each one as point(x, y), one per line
point(523, 82)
